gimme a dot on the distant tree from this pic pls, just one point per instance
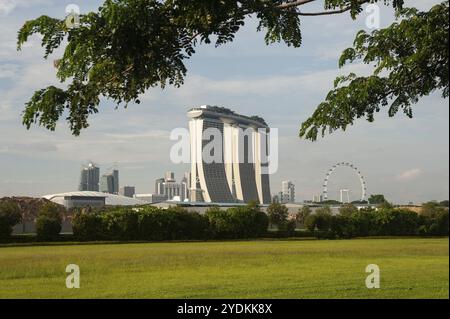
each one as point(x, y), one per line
point(49, 221)
point(348, 210)
point(385, 205)
point(331, 202)
point(10, 215)
point(302, 214)
point(127, 47)
point(360, 202)
point(444, 203)
point(377, 199)
point(434, 219)
point(320, 220)
point(432, 209)
point(278, 215)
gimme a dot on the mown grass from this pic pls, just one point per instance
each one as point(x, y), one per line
point(410, 268)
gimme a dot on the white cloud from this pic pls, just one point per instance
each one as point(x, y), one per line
point(409, 175)
point(200, 88)
point(29, 78)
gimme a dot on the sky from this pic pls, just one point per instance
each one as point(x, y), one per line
point(405, 159)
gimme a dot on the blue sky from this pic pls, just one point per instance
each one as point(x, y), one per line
point(405, 159)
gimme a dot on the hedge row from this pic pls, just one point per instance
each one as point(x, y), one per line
point(155, 224)
point(384, 222)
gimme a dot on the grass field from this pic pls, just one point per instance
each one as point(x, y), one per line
point(410, 268)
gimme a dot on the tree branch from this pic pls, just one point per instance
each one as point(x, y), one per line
point(294, 4)
point(312, 14)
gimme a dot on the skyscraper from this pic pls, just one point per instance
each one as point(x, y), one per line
point(89, 178)
point(239, 172)
point(109, 183)
point(127, 191)
point(287, 192)
point(170, 188)
point(159, 186)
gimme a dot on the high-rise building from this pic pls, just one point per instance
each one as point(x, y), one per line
point(288, 192)
point(239, 173)
point(172, 190)
point(127, 191)
point(159, 186)
point(318, 198)
point(170, 177)
point(186, 182)
point(89, 178)
point(109, 183)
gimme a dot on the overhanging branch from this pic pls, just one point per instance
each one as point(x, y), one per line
point(294, 4)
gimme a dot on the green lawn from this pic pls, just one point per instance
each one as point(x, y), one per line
point(410, 268)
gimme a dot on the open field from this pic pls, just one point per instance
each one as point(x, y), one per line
point(410, 268)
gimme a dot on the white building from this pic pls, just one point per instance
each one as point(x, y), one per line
point(238, 172)
point(92, 199)
point(170, 188)
point(287, 192)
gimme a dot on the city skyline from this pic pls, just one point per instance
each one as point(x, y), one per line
point(407, 160)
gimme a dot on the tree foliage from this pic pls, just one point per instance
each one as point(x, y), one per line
point(410, 59)
point(49, 221)
point(10, 216)
point(278, 214)
point(130, 46)
point(377, 199)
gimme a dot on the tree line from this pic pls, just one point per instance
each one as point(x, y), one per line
point(246, 222)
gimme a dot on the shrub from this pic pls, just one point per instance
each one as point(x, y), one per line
point(434, 220)
point(88, 226)
point(237, 222)
point(397, 222)
point(278, 215)
point(290, 227)
point(343, 226)
point(9, 217)
point(348, 210)
point(121, 225)
point(220, 223)
point(302, 214)
point(320, 220)
point(48, 223)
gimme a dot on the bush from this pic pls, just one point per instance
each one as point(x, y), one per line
point(278, 215)
point(48, 223)
point(320, 221)
point(121, 225)
point(172, 224)
point(343, 226)
point(397, 222)
point(302, 214)
point(237, 222)
point(434, 220)
point(146, 223)
point(9, 217)
point(88, 226)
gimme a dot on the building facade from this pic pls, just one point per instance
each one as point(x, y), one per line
point(109, 183)
point(128, 191)
point(238, 172)
point(287, 192)
point(151, 198)
point(170, 189)
point(89, 178)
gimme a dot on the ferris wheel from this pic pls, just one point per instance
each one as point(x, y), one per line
point(355, 169)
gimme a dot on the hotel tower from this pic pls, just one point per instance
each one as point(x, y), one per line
point(239, 173)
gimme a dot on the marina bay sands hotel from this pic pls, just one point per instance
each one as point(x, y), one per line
point(239, 171)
